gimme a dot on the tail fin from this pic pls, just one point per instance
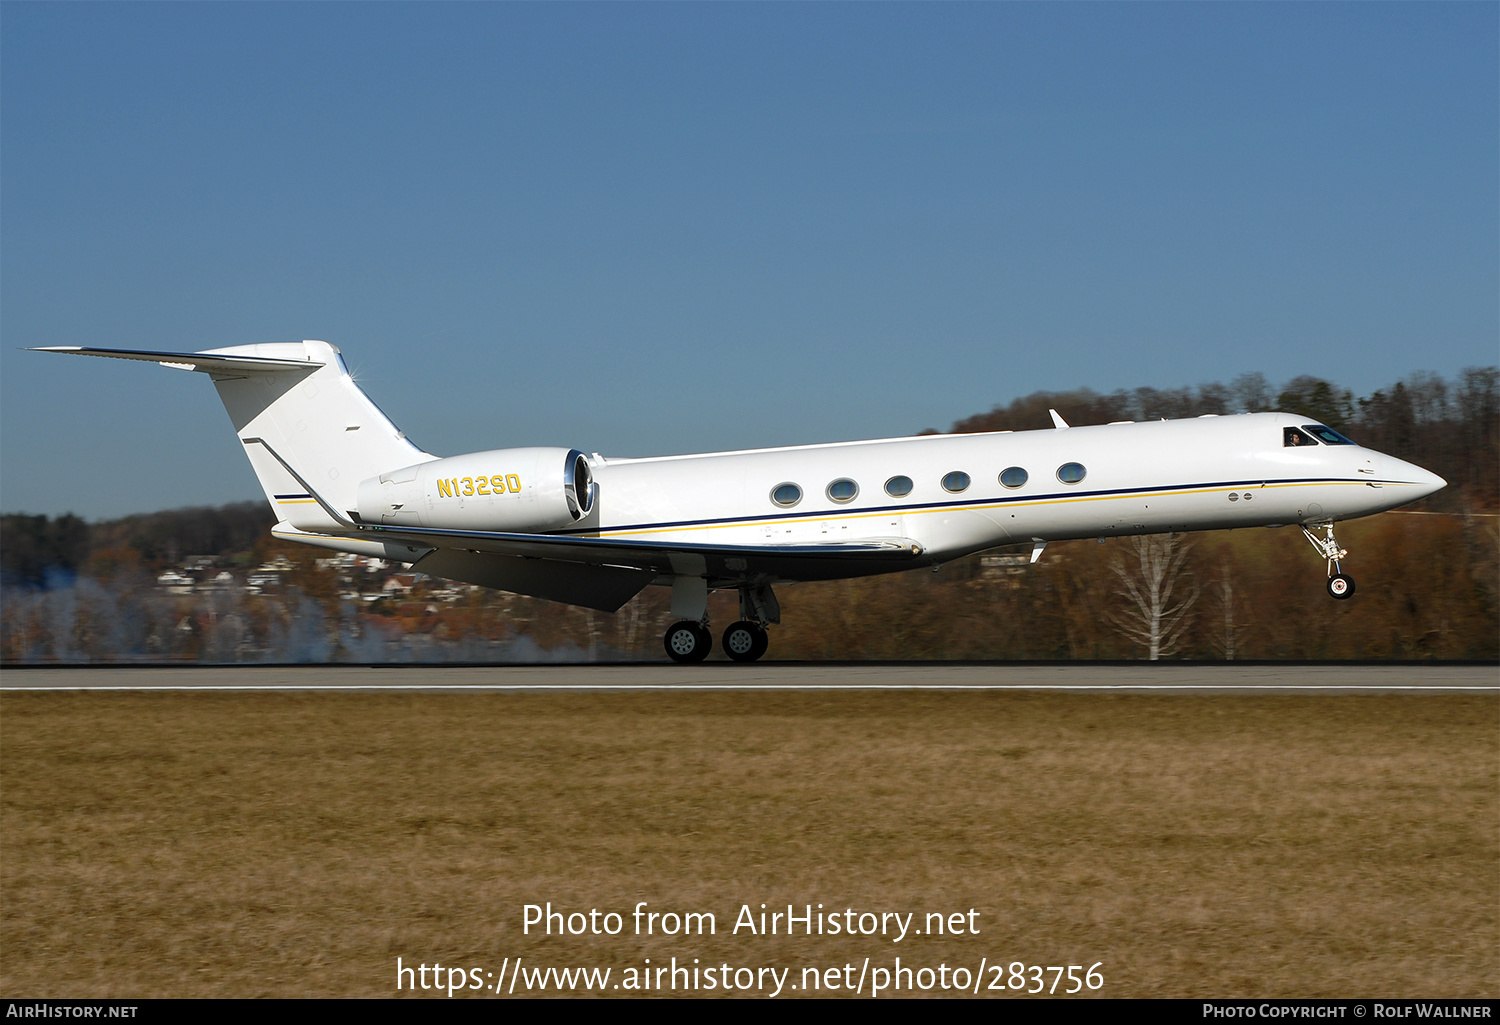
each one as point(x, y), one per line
point(306, 426)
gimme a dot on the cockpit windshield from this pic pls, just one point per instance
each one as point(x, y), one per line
point(1327, 435)
point(1293, 438)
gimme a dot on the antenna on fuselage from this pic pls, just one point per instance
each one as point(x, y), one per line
point(1057, 420)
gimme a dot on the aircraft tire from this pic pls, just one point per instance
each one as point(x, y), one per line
point(687, 642)
point(745, 641)
point(1340, 586)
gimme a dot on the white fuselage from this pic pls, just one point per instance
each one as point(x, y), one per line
point(1139, 478)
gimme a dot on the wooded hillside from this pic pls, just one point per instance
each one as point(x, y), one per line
point(213, 585)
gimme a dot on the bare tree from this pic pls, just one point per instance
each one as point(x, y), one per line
point(1159, 594)
point(1252, 393)
point(1222, 594)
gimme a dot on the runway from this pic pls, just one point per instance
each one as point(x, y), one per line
point(773, 676)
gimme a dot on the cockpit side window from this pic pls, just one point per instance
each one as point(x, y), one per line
point(1327, 435)
point(1293, 438)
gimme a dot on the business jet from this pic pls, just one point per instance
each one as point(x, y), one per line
point(587, 530)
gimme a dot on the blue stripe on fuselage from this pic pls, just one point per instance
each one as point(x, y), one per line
point(1000, 500)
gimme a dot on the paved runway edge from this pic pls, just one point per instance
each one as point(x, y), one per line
point(1142, 678)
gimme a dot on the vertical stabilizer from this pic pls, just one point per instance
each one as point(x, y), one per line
point(309, 430)
point(318, 422)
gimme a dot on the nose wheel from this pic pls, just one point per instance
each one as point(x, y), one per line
point(687, 641)
point(1340, 584)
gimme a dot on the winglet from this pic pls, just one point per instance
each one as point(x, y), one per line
point(1057, 421)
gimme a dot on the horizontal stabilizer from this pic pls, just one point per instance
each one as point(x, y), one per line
point(201, 361)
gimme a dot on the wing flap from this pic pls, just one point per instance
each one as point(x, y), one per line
point(574, 583)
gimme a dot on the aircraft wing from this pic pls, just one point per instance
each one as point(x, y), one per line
point(605, 573)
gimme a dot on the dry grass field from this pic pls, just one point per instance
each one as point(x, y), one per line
point(175, 844)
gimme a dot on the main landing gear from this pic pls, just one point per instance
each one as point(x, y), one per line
point(745, 641)
point(1340, 585)
point(689, 641)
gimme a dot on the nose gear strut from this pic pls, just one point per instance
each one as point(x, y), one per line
point(1339, 585)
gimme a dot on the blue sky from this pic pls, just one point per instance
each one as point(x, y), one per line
point(657, 228)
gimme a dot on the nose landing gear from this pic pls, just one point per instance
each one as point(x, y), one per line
point(1340, 585)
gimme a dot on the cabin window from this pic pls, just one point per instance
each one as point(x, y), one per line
point(1293, 438)
point(1327, 435)
point(1071, 473)
point(786, 494)
point(843, 490)
point(898, 487)
point(956, 481)
point(1013, 477)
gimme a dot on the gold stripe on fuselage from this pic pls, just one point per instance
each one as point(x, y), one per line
point(831, 516)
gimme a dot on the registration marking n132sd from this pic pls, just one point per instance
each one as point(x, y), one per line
point(499, 484)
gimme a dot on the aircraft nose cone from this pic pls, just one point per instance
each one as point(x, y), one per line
point(1426, 481)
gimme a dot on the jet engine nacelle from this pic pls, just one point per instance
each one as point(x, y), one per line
point(512, 490)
